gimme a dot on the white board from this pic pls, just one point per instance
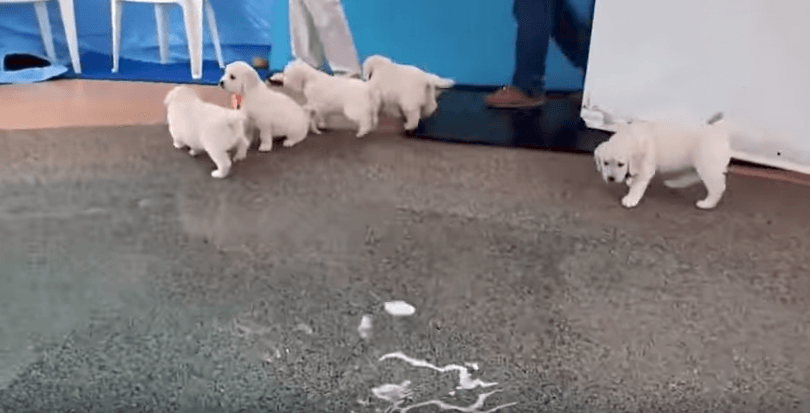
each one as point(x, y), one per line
point(689, 59)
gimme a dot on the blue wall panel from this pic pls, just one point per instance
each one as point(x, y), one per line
point(470, 41)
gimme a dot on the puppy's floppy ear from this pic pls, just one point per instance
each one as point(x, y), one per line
point(597, 156)
point(372, 63)
point(641, 150)
point(295, 76)
point(236, 80)
point(368, 68)
point(248, 79)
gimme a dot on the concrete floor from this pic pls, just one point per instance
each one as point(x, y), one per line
point(132, 281)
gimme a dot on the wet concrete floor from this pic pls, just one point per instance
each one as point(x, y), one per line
point(133, 281)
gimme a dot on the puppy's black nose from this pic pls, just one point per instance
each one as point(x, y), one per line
point(221, 83)
point(611, 179)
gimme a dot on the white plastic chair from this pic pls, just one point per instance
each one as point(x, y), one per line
point(193, 20)
point(68, 20)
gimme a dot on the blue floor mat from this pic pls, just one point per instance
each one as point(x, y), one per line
point(463, 117)
point(98, 66)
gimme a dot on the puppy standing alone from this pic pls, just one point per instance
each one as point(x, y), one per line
point(327, 94)
point(638, 150)
point(404, 89)
point(203, 126)
point(274, 114)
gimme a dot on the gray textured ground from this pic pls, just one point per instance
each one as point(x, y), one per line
point(132, 281)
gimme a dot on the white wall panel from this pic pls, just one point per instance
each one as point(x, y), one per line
point(688, 59)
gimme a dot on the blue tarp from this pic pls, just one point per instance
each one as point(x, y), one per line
point(470, 41)
point(25, 68)
point(240, 22)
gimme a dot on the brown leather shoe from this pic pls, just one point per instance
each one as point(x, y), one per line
point(510, 97)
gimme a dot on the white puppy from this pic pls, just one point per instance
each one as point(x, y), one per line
point(205, 127)
point(638, 150)
point(327, 94)
point(404, 89)
point(273, 113)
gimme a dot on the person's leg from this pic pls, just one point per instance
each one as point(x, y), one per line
point(571, 34)
point(531, 48)
point(334, 36)
point(306, 45)
point(533, 34)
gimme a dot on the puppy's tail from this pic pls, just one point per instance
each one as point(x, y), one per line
point(173, 94)
point(721, 125)
point(437, 85)
point(169, 97)
point(440, 82)
point(312, 115)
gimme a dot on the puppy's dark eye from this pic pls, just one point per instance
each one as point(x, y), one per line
point(621, 164)
point(606, 163)
point(233, 77)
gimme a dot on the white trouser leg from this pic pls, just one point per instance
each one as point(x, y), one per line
point(303, 36)
point(333, 35)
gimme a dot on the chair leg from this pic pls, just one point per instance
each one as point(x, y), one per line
point(162, 22)
point(69, 22)
point(192, 17)
point(41, 8)
point(116, 9)
point(212, 27)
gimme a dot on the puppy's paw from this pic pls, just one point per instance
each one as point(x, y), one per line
point(194, 152)
point(239, 156)
point(219, 174)
point(629, 181)
point(265, 147)
point(288, 143)
point(177, 145)
point(706, 204)
point(629, 202)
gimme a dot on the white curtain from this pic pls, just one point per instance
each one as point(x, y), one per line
point(686, 60)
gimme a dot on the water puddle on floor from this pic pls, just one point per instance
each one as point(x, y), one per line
point(398, 394)
point(455, 388)
point(464, 377)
